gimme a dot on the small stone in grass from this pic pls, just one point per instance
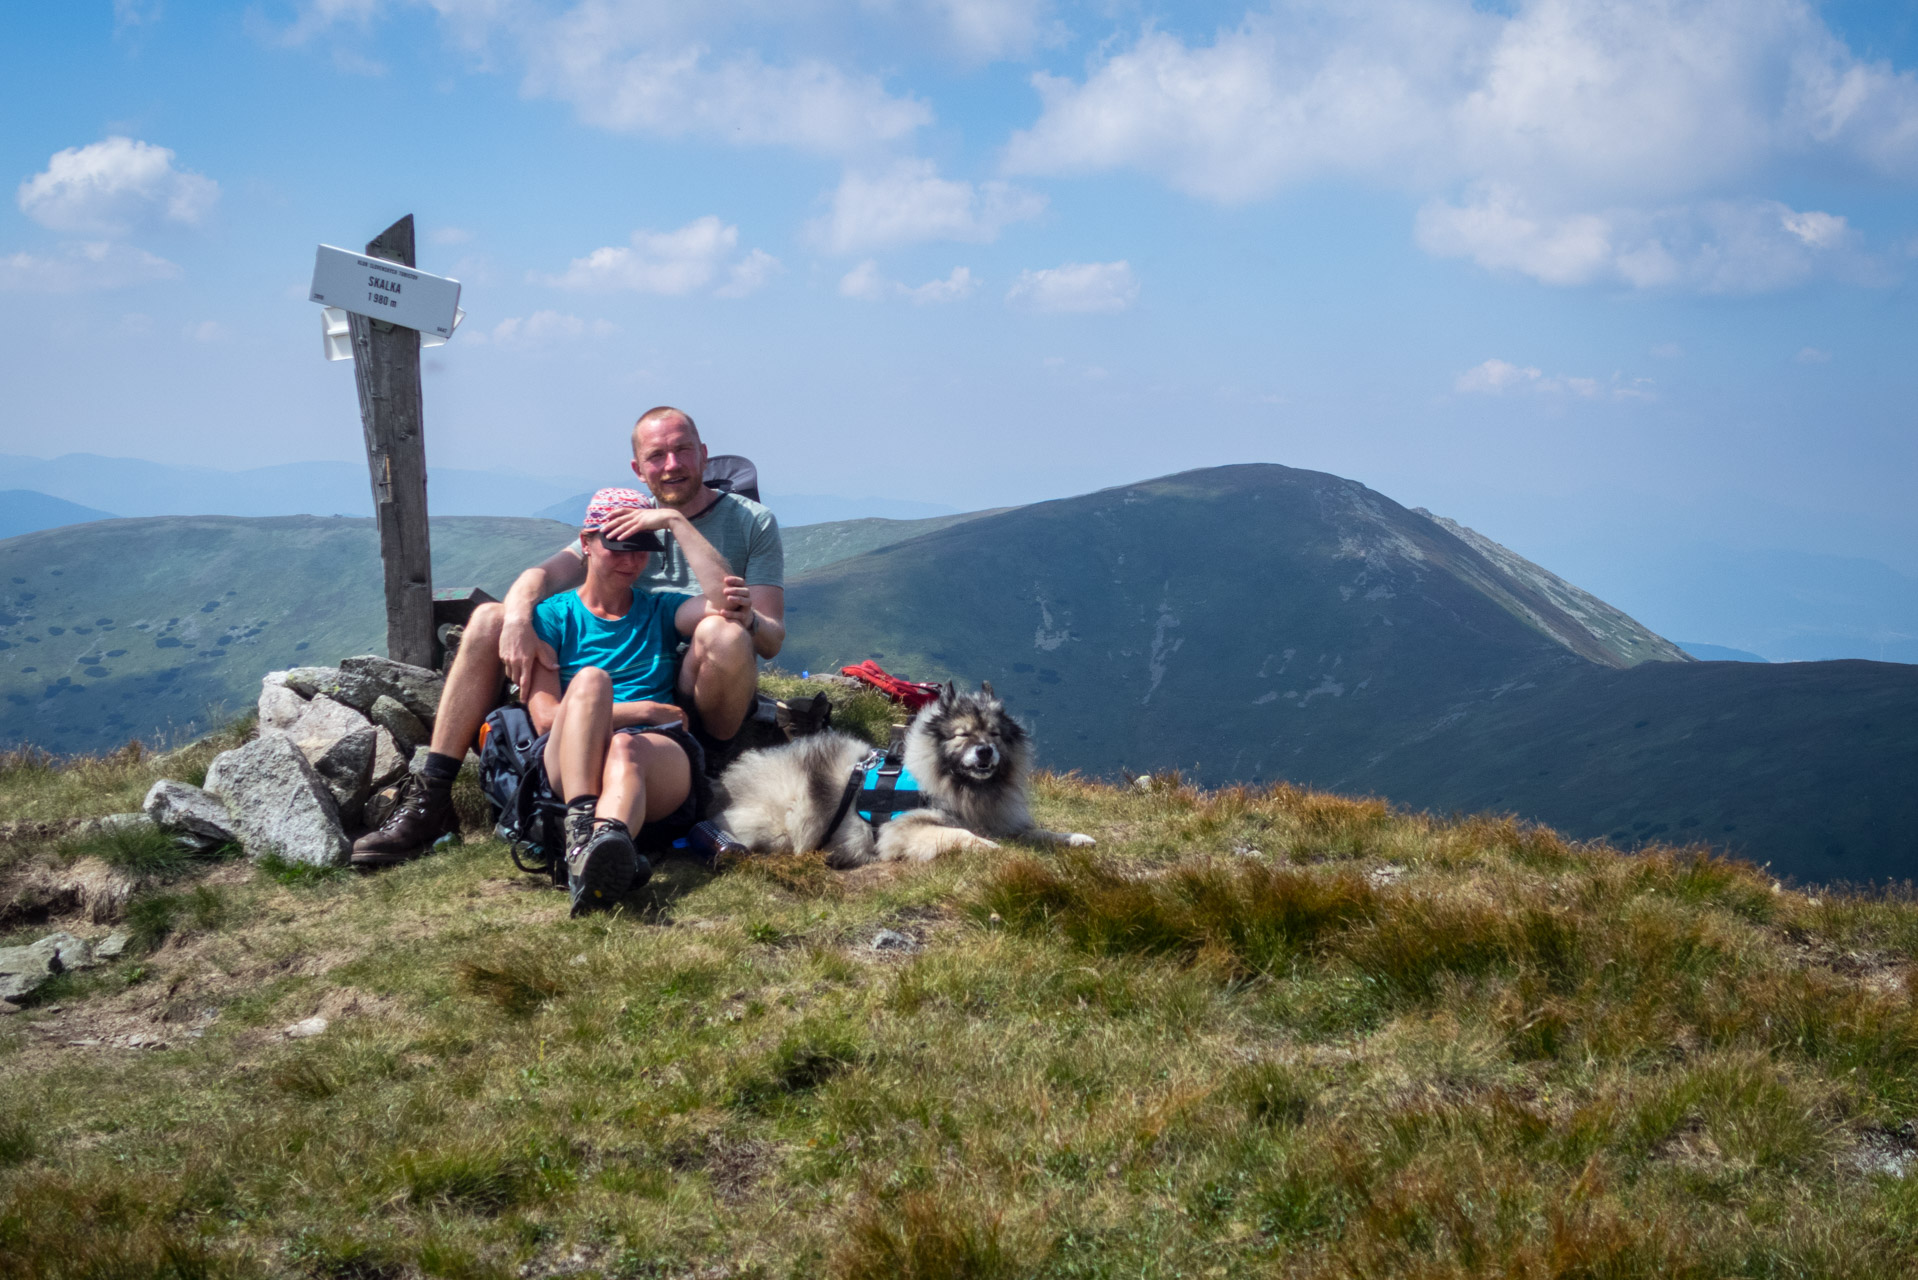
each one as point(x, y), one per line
point(889, 940)
point(306, 1028)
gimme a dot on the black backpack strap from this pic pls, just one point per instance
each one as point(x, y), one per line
point(527, 820)
point(845, 801)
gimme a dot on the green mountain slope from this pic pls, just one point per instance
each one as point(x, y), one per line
point(1809, 764)
point(146, 628)
point(814, 546)
point(1260, 623)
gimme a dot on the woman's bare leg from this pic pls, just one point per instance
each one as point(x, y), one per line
point(647, 777)
point(576, 746)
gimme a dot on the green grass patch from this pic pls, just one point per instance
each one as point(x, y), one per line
point(299, 875)
point(1262, 1031)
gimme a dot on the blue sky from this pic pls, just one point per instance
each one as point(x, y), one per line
point(1595, 278)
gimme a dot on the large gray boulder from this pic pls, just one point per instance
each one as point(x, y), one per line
point(407, 729)
point(389, 762)
point(340, 743)
point(190, 813)
point(279, 802)
point(280, 707)
point(25, 969)
point(417, 687)
point(349, 687)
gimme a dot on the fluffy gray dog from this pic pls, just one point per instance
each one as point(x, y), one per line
point(968, 757)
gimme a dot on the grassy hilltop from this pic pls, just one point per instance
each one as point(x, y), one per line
point(159, 628)
point(1262, 1031)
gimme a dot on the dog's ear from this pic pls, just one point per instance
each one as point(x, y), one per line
point(947, 693)
point(985, 687)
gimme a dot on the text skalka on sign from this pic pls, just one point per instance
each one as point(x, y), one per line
point(385, 290)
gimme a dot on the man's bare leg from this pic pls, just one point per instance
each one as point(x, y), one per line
point(472, 686)
point(720, 675)
point(472, 690)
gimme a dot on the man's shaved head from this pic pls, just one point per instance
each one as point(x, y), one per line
point(669, 456)
point(663, 413)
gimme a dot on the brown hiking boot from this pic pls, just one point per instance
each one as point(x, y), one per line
point(421, 819)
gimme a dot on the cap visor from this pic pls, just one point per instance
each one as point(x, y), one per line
point(645, 540)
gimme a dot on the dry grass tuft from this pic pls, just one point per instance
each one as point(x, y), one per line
point(519, 979)
point(56, 1228)
point(1252, 915)
point(924, 1236)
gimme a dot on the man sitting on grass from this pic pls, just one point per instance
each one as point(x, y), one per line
point(614, 744)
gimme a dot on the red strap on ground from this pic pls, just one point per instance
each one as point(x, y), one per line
point(914, 694)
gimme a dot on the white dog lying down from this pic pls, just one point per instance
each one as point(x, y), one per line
point(968, 758)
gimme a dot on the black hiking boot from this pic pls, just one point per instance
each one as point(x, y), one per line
point(422, 818)
point(601, 871)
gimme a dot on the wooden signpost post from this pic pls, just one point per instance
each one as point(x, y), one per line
point(386, 365)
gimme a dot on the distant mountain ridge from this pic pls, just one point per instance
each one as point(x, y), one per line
point(26, 511)
point(136, 487)
point(1255, 623)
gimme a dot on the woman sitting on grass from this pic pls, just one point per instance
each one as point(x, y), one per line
point(615, 748)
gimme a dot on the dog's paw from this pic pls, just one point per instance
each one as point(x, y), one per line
point(1079, 840)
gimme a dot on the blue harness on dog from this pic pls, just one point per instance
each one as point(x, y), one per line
point(883, 786)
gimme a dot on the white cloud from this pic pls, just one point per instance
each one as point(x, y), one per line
point(910, 202)
point(1586, 120)
point(1718, 246)
point(669, 263)
point(1812, 355)
point(621, 73)
point(129, 14)
point(1496, 377)
point(84, 267)
point(320, 16)
point(992, 28)
point(448, 235)
point(1667, 351)
point(1267, 104)
point(110, 187)
point(544, 329)
point(207, 331)
point(1817, 230)
point(1076, 287)
point(749, 274)
point(865, 283)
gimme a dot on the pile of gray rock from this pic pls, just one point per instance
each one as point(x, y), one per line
point(333, 745)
